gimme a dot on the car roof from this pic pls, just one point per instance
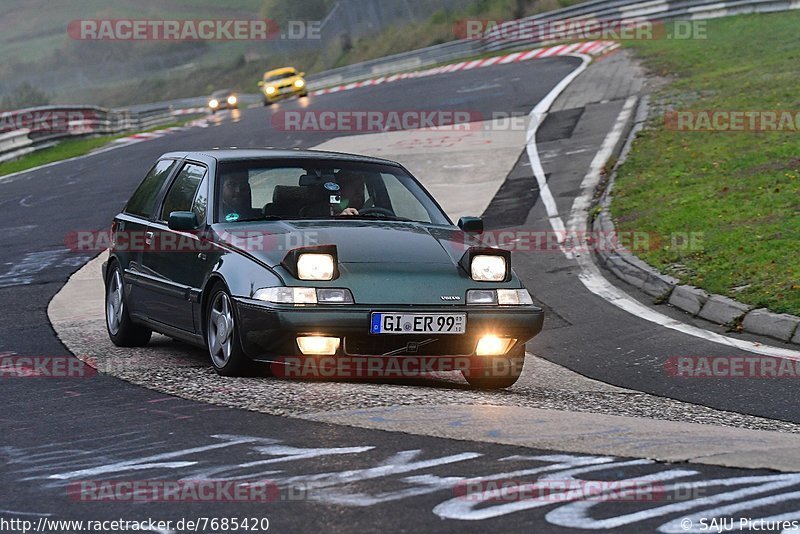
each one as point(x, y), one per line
point(281, 70)
point(221, 92)
point(237, 154)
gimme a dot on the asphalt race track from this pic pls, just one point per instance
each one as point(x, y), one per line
point(349, 478)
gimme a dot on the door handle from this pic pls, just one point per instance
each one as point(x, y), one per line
point(148, 238)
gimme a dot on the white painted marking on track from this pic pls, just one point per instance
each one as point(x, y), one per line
point(595, 282)
point(537, 116)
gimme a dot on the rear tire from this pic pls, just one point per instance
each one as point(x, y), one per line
point(121, 329)
point(222, 335)
point(497, 372)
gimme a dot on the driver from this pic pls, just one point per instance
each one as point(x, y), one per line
point(236, 196)
point(351, 191)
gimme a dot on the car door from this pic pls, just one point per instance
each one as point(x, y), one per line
point(131, 225)
point(176, 262)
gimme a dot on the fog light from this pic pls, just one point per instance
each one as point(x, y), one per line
point(318, 345)
point(493, 345)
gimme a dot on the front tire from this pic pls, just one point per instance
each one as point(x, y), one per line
point(222, 335)
point(121, 329)
point(497, 372)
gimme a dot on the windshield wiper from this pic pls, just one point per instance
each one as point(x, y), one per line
point(381, 216)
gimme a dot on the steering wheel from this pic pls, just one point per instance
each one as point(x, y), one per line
point(376, 209)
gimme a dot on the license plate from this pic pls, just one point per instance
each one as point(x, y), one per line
point(418, 323)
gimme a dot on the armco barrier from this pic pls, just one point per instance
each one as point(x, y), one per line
point(26, 130)
point(603, 10)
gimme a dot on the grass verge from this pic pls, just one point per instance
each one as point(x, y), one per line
point(739, 192)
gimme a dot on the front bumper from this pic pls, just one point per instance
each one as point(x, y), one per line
point(268, 332)
point(295, 91)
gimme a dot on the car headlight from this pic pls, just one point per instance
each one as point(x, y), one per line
point(486, 268)
point(270, 90)
point(514, 297)
point(299, 83)
point(304, 295)
point(503, 297)
point(231, 100)
point(311, 266)
point(287, 295)
point(213, 103)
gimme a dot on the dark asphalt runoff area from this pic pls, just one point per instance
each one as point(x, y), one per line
point(57, 432)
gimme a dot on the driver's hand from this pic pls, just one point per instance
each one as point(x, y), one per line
point(349, 211)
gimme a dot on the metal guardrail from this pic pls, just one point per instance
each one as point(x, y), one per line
point(28, 136)
point(601, 10)
point(26, 130)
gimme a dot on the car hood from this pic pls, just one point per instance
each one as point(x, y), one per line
point(388, 242)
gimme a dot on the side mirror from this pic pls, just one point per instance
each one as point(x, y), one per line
point(261, 83)
point(182, 221)
point(302, 74)
point(472, 225)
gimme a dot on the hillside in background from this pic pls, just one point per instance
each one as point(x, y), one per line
point(37, 50)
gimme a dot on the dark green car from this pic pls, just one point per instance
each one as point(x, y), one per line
point(305, 257)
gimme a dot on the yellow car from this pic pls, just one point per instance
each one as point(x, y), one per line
point(282, 83)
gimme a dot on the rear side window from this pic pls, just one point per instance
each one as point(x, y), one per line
point(143, 200)
point(181, 195)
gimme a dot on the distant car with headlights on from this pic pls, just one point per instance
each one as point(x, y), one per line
point(282, 83)
point(223, 99)
point(309, 254)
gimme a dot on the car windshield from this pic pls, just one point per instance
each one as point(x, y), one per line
point(276, 77)
point(320, 189)
point(221, 93)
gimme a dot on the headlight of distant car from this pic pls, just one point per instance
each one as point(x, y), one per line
point(312, 266)
point(304, 295)
point(488, 268)
point(299, 83)
point(503, 297)
point(270, 90)
point(213, 103)
point(231, 100)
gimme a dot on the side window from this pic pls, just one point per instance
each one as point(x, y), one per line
point(200, 204)
point(182, 192)
point(143, 200)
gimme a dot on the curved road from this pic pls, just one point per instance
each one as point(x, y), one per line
point(64, 430)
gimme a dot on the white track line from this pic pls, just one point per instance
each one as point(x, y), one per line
point(593, 279)
point(537, 116)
